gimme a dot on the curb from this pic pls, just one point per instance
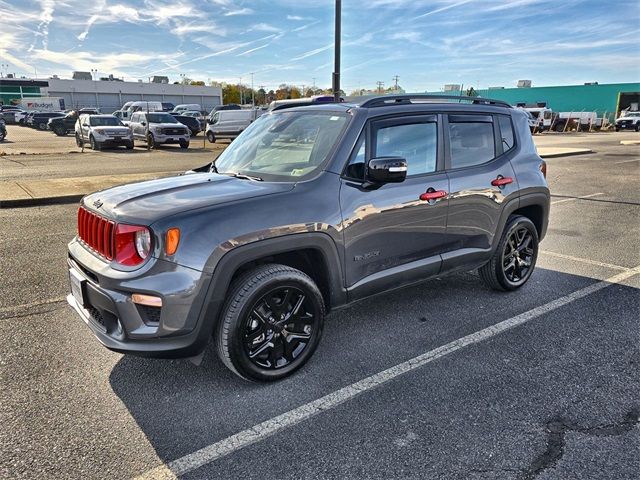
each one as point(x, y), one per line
point(567, 154)
point(35, 202)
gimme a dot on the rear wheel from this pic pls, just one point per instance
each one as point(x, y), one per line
point(60, 131)
point(271, 324)
point(515, 258)
point(211, 137)
point(42, 126)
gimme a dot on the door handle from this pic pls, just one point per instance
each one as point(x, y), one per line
point(432, 194)
point(501, 181)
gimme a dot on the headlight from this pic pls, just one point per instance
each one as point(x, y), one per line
point(132, 244)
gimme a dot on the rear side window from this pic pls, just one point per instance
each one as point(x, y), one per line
point(506, 132)
point(471, 142)
point(415, 142)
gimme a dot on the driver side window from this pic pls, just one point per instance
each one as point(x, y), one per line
point(355, 168)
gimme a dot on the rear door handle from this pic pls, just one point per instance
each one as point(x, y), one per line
point(432, 194)
point(501, 181)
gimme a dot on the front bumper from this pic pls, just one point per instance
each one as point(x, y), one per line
point(626, 126)
point(170, 139)
point(179, 328)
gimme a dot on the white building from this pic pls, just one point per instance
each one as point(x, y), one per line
point(111, 95)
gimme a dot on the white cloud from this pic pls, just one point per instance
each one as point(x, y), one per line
point(408, 36)
point(240, 11)
point(313, 52)
point(264, 27)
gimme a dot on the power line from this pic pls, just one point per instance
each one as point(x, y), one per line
point(380, 85)
point(395, 79)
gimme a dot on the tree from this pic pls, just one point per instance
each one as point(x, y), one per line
point(185, 81)
point(471, 92)
point(198, 83)
point(294, 92)
point(230, 93)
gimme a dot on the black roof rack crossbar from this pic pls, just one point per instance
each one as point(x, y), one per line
point(387, 100)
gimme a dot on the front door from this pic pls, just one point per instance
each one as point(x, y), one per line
point(393, 233)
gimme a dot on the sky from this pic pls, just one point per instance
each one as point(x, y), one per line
point(479, 43)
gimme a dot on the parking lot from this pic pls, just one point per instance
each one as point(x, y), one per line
point(446, 379)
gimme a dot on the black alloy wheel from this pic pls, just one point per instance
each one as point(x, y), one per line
point(517, 257)
point(271, 324)
point(514, 258)
point(278, 328)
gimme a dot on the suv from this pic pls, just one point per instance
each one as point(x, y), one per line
point(308, 210)
point(102, 131)
point(158, 128)
point(628, 121)
point(63, 125)
point(40, 120)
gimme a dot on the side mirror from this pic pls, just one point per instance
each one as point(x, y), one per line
point(386, 170)
point(144, 124)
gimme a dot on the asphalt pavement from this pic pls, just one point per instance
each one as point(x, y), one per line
point(539, 383)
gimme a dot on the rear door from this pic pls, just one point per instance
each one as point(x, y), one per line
point(481, 180)
point(391, 235)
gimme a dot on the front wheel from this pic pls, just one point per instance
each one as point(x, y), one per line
point(42, 126)
point(79, 141)
point(60, 131)
point(2, 135)
point(211, 137)
point(95, 145)
point(151, 141)
point(515, 258)
point(271, 324)
point(184, 144)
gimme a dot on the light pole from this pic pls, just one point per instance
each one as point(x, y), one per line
point(241, 93)
point(3, 68)
point(336, 59)
point(253, 99)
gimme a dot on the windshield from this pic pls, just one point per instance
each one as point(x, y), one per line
point(104, 122)
point(160, 118)
point(284, 146)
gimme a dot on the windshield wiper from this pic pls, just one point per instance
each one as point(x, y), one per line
point(242, 176)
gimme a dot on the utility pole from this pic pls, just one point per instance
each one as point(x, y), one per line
point(314, 85)
point(336, 60)
point(395, 79)
point(241, 93)
point(380, 85)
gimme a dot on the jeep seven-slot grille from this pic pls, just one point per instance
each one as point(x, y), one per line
point(96, 232)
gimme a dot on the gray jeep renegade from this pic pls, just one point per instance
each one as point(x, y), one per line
point(309, 209)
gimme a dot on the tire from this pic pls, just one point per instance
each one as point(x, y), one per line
point(2, 136)
point(60, 131)
point(498, 276)
point(559, 128)
point(254, 308)
point(79, 141)
point(94, 145)
point(42, 126)
point(129, 145)
point(617, 129)
point(211, 137)
point(184, 144)
point(637, 127)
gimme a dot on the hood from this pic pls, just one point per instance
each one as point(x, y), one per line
point(627, 118)
point(114, 128)
point(147, 202)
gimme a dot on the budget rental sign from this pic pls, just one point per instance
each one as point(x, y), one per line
point(43, 104)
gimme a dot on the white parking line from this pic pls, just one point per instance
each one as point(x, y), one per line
point(269, 427)
point(584, 260)
point(573, 199)
point(628, 161)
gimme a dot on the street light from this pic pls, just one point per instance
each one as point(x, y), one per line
point(336, 59)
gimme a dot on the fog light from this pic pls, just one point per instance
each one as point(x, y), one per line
point(148, 300)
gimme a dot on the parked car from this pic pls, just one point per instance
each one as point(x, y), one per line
point(308, 210)
point(63, 125)
point(19, 116)
point(159, 128)
point(628, 121)
point(217, 108)
point(28, 118)
point(102, 131)
point(5, 108)
point(3, 128)
point(230, 123)
point(201, 116)
point(41, 120)
point(144, 107)
point(12, 116)
point(192, 123)
point(167, 106)
point(178, 109)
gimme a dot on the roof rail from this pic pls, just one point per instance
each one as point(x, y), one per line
point(388, 100)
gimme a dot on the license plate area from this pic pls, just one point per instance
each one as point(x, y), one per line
point(77, 283)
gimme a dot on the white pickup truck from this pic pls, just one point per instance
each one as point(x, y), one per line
point(628, 121)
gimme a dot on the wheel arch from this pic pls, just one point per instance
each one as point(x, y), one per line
point(534, 206)
point(315, 254)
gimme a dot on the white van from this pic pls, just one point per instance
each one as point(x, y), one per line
point(145, 107)
point(186, 107)
point(230, 123)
